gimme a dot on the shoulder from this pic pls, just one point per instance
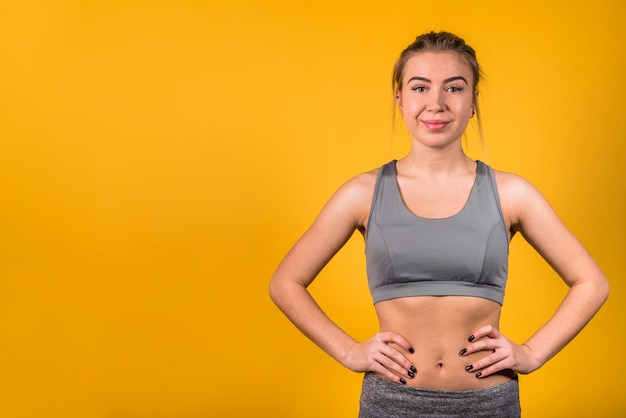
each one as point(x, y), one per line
point(358, 191)
point(361, 185)
point(519, 198)
point(512, 186)
point(352, 200)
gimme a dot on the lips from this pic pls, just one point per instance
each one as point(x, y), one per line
point(435, 125)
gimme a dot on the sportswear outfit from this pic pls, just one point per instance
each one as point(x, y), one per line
point(462, 255)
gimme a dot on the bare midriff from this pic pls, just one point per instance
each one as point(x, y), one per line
point(438, 327)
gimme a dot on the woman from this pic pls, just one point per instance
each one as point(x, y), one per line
point(437, 227)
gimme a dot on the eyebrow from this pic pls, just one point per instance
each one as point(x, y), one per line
point(447, 80)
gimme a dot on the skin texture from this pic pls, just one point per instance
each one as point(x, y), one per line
point(451, 342)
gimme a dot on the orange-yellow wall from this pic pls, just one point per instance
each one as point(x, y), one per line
point(158, 158)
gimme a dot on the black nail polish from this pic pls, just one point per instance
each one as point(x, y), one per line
point(411, 350)
point(411, 375)
point(479, 374)
point(468, 368)
point(413, 369)
point(402, 381)
point(462, 352)
point(471, 338)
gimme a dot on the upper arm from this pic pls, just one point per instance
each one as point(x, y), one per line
point(529, 212)
point(346, 211)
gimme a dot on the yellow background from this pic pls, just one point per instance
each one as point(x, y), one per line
point(158, 158)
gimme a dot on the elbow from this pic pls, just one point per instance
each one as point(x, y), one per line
point(604, 290)
point(600, 291)
point(272, 290)
point(275, 291)
point(594, 291)
point(283, 291)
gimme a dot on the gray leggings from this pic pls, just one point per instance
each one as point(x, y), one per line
point(381, 398)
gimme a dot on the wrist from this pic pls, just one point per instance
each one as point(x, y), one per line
point(346, 356)
point(534, 359)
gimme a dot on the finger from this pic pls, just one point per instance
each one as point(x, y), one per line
point(487, 344)
point(392, 337)
point(387, 374)
point(484, 363)
point(394, 360)
point(493, 368)
point(393, 372)
point(486, 331)
point(383, 365)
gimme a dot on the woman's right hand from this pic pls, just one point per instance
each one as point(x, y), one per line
point(376, 355)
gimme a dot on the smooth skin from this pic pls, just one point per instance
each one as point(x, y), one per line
point(451, 342)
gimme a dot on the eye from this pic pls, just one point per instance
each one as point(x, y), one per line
point(454, 89)
point(419, 89)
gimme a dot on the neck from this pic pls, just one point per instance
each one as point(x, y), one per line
point(424, 161)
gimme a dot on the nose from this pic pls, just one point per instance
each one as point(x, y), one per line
point(437, 102)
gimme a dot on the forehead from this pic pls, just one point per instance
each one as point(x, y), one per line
point(436, 66)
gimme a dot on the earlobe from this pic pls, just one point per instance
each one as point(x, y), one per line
point(475, 101)
point(398, 99)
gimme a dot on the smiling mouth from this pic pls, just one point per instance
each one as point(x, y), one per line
point(435, 125)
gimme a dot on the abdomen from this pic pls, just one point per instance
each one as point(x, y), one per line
point(438, 327)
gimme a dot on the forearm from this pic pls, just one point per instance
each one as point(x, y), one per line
point(298, 305)
point(578, 307)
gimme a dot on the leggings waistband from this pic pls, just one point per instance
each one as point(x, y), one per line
point(381, 398)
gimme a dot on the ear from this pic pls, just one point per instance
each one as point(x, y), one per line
point(474, 103)
point(399, 99)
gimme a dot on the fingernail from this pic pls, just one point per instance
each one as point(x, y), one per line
point(402, 381)
point(411, 350)
point(411, 375)
point(479, 374)
point(413, 369)
point(471, 338)
point(468, 368)
point(462, 352)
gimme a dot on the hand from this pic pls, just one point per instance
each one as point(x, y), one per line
point(505, 354)
point(376, 355)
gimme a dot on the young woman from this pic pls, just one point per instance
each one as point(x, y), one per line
point(437, 227)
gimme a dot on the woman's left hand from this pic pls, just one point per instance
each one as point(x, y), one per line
point(505, 354)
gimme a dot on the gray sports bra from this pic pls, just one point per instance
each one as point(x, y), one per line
point(463, 255)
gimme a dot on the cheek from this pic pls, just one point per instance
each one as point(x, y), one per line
point(411, 107)
point(463, 107)
point(408, 111)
